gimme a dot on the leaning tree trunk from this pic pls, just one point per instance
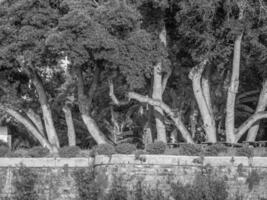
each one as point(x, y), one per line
point(248, 123)
point(84, 108)
point(70, 125)
point(262, 103)
point(30, 127)
point(46, 110)
point(233, 88)
point(37, 121)
point(204, 107)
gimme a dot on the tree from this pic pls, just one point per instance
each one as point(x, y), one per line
point(22, 52)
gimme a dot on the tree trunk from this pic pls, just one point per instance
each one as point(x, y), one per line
point(93, 129)
point(70, 125)
point(84, 108)
point(147, 134)
point(206, 112)
point(30, 127)
point(233, 88)
point(37, 121)
point(206, 91)
point(156, 103)
point(248, 123)
point(159, 85)
point(157, 95)
point(262, 103)
point(47, 114)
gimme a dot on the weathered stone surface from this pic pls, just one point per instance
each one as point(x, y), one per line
point(56, 182)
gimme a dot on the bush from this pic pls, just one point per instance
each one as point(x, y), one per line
point(190, 150)
point(215, 150)
point(173, 151)
point(3, 150)
point(125, 148)
point(69, 151)
point(157, 147)
point(24, 184)
point(38, 152)
point(105, 149)
point(204, 187)
point(19, 153)
point(245, 151)
point(86, 185)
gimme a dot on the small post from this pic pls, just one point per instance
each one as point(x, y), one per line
point(4, 135)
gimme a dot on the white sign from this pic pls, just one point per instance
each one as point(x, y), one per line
point(4, 138)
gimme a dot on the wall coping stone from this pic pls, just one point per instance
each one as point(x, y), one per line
point(45, 162)
point(117, 159)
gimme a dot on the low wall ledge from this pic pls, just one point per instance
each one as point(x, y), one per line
point(117, 159)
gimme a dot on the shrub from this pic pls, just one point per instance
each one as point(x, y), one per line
point(19, 153)
point(204, 187)
point(69, 151)
point(173, 151)
point(157, 147)
point(245, 151)
point(24, 184)
point(3, 150)
point(215, 150)
point(253, 179)
point(190, 150)
point(105, 149)
point(125, 148)
point(38, 152)
point(86, 185)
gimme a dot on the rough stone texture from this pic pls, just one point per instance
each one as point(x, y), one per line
point(56, 182)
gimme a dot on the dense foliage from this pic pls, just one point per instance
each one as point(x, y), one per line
point(71, 68)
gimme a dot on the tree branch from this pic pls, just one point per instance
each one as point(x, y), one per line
point(248, 123)
point(176, 119)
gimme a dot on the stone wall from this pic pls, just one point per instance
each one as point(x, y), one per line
point(56, 181)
